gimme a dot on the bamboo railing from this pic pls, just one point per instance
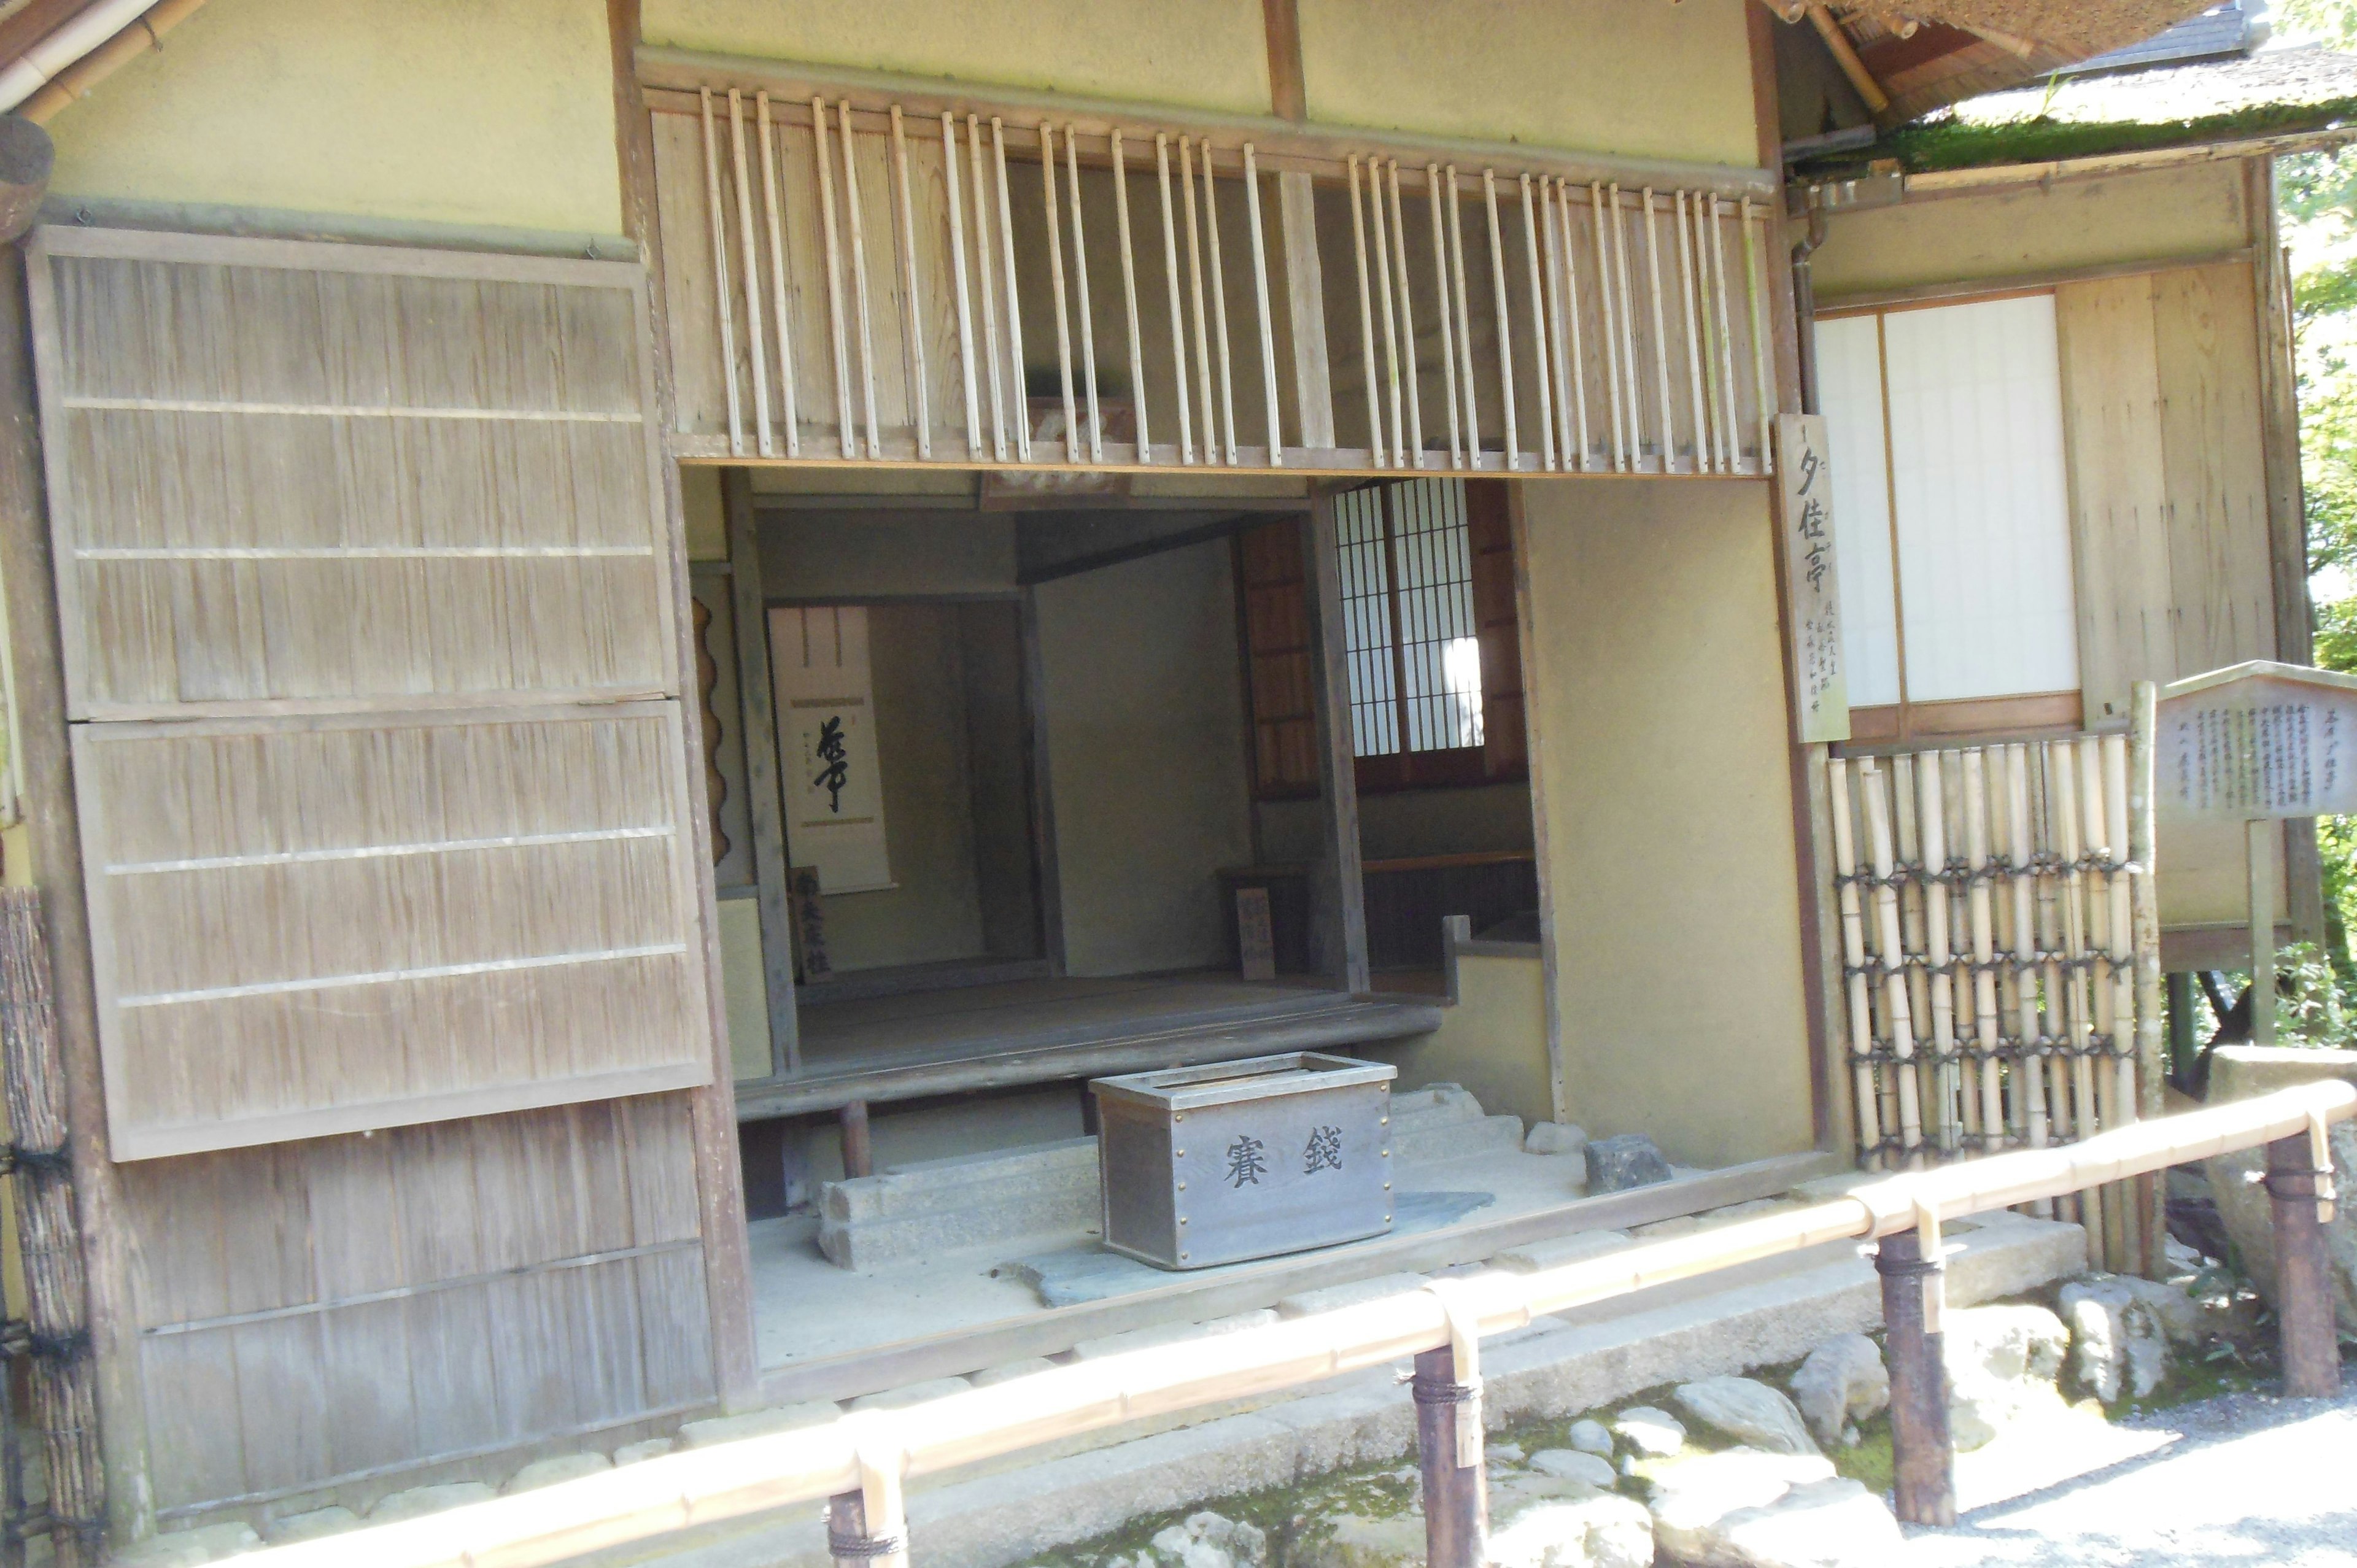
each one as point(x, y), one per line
point(864, 1460)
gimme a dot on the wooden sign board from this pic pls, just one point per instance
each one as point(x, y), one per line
point(1255, 934)
point(1811, 585)
point(2256, 742)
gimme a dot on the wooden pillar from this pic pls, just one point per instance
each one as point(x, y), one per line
point(2180, 1022)
point(54, 839)
point(1456, 1502)
point(1338, 912)
point(2311, 1342)
point(858, 1153)
point(1924, 1456)
point(765, 804)
point(853, 1541)
point(2260, 851)
point(1304, 308)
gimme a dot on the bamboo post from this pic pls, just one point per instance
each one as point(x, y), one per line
point(1732, 454)
point(1660, 336)
point(2299, 1193)
point(1366, 321)
point(724, 301)
point(48, 1231)
point(1448, 330)
point(1756, 290)
point(1922, 1453)
point(1576, 369)
point(1220, 308)
point(2021, 879)
point(1383, 308)
point(987, 286)
point(1605, 317)
point(788, 415)
point(1909, 868)
point(1464, 322)
point(2145, 912)
point(2104, 774)
point(1539, 330)
point(1129, 295)
point(1178, 314)
point(1629, 337)
point(1897, 1006)
point(1195, 280)
point(859, 228)
point(1932, 830)
point(2060, 996)
point(1414, 453)
point(913, 305)
point(1455, 1505)
point(868, 1527)
point(951, 181)
point(1978, 902)
point(1056, 290)
point(1087, 313)
point(752, 250)
point(1853, 929)
point(1018, 392)
point(832, 234)
point(1555, 354)
point(1260, 303)
point(1505, 321)
point(1692, 322)
point(2260, 836)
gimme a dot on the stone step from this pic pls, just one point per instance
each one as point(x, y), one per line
point(1444, 1121)
point(921, 1210)
point(1765, 1314)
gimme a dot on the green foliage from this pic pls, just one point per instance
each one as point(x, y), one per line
point(2309, 1005)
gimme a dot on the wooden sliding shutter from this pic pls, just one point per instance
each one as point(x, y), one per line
point(1280, 660)
point(367, 619)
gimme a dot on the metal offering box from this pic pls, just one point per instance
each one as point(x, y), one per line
point(1244, 1159)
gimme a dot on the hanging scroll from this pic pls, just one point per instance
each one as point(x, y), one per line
point(826, 734)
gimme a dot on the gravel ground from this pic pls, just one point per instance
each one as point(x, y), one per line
point(2249, 1479)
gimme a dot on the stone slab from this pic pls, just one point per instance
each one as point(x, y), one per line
point(914, 1393)
point(920, 1210)
point(1302, 1304)
point(758, 1424)
point(1169, 1333)
point(1560, 1250)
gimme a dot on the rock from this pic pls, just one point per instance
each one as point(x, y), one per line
point(1554, 1138)
point(911, 1393)
point(1615, 1164)
point(1592, 1437)
point(2001, 1361)
point(1327, 1298)
point(192, 1548)
point(1571, 1465)
point(309, 1525)
point(1691, 1501)
point(1590, 1529)
point(1842, 1381)
point(2237, 1072)
point(1655, 1434)
point(1207, 1540)
point(548, 1472)
point(1750, 1411)
point(419, 1500)
point(1354, 1542)
point(1006, 1370)
point(2121, 1329)
point(1503, 1452)
point(1822, 1524)
point(758, 1424)
point(648, 1448)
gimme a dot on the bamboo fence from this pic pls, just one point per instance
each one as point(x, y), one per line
point(1993, 919)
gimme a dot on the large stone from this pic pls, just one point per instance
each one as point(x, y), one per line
point(917, 1210)
point(1444, 1121)
point(1592, 1437)
point(1326, 1298)
point(1353, 1540)
point(1748, 1411)
point(910, 1393)
point(1586, 1528)
point(1214, 1541)
point(758, 1424)
point(562, 1468)
point(1691, 1501)
point(1655, 1434)
point(2238, 1072)
point(2002, 1362)
point(1822, 1524)
point(309, 1525)
point(1843, 1381)
point(1557, 1250)
point(1554, 1138)
point(191, 1548)
point(1571, 1465)
point(2121, 1329)
point(645, 1448)
point(418, 1501)
point(1169, 1333)
point(1615, 1164)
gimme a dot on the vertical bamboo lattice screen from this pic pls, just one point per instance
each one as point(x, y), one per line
point(858, 281)
point(1990, 940)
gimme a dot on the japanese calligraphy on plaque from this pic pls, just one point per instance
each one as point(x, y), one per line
point(826, 745)
point(2257, 741)
point(1812, 587)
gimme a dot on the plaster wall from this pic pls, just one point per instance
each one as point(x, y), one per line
point(1660, 764)
point(483, 115)
point(2025, 231)
point(1145, 716)
point(1493, 1041)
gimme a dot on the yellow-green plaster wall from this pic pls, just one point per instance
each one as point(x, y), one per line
point(2025, 231)
point(1493, 1041)
point(1661, 763)
point(743, 989)
point(1642, 79)
point(1204, 54)
point(477, 113)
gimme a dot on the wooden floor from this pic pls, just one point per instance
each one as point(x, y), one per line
point(935, 1042)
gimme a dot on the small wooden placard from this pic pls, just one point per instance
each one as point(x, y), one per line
point(1811, 594)
point(809, 919)
point(1255, 935)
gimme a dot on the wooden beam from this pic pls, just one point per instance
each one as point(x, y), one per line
point(765, 803)
point(720, 1171)
point(1337, 905)
point(53, 835)
point(1046, 865)
point(1304, 306)
point(1288, 96)
point(1845, 53)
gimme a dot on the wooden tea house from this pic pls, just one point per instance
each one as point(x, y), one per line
point(641, 637)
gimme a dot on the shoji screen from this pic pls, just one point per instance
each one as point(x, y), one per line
point(1849, 390)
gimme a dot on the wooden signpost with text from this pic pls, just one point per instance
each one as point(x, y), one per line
point(2258, 744)
point(1811, 585)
